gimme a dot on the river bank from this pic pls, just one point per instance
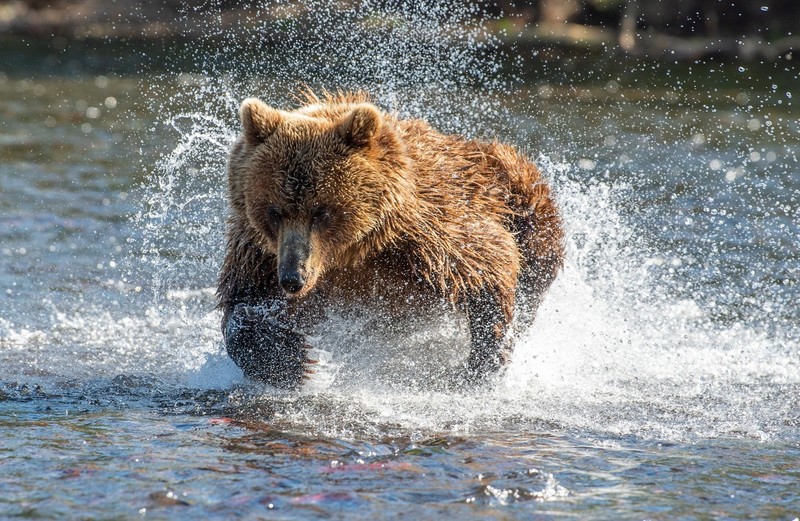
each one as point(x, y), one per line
point(515, 28)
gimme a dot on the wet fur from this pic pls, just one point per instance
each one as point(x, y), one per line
point(415, 217)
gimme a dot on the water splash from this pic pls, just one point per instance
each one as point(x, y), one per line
point(618, 347)
point(416, 58)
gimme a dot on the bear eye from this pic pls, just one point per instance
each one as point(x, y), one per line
point(273, 216)
point(320, 216)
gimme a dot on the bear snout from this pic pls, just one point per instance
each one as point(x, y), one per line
point(293, 256)
point(291, 280)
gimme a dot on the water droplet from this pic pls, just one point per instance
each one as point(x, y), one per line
point(545, 91)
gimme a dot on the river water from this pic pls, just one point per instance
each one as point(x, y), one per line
point(661, 379)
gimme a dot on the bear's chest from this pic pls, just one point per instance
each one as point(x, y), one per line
point(395, 291)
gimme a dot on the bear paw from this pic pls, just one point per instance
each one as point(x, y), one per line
point(266, 347)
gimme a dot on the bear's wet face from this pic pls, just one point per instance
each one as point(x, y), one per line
point(309, 189)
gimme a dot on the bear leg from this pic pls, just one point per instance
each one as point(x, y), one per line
point(263, 343)
point(489, 322)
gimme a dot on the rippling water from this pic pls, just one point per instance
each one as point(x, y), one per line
point(661, 379)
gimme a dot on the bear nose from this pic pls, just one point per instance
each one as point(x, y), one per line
point(291, 281)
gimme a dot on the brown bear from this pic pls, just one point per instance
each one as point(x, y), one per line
point(338, 202)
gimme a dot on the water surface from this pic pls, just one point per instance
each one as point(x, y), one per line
point(660, 380)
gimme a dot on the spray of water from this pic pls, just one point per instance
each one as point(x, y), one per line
point(612, 350)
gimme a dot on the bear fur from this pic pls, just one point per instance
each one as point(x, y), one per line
point(340, 203)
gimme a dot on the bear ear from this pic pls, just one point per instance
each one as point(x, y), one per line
point(259, 120)
point(362, 124)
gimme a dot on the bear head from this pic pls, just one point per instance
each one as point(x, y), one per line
point(317, 186)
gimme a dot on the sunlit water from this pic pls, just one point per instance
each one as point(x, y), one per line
point(661, 379)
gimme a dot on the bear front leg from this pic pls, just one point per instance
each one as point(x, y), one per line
point(264, 343)
point(489, 322)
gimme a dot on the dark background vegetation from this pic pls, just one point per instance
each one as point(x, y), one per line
point(674, 29)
